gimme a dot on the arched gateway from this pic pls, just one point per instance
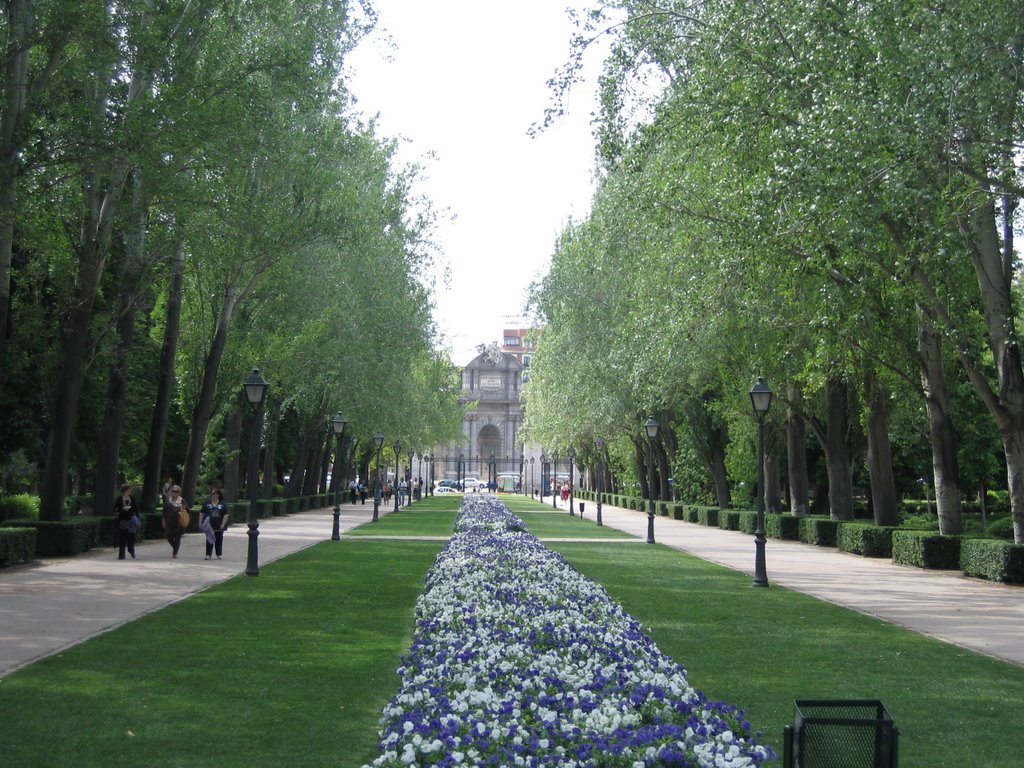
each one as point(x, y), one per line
point(494, 381)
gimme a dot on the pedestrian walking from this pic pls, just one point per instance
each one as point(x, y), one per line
point(213, 519)
point(126, 512)
point(174, 520)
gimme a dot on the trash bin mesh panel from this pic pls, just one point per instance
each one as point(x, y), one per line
point(845, 745)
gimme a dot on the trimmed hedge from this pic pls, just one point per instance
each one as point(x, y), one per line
point(691, 513)
point(729, 520)
point(64, 537)
point(992, 559)
point(678, 512)
point(866, 540)
point(279, 508)
point(786, 527)
point(708, 516)
point(21, 506)
point(819, 531)
point(924, 549)
point(748, 521)
point(17, 545)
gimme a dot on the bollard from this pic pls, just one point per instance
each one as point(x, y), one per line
point(581, 510)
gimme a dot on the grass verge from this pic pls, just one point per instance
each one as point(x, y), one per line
point(293, 667)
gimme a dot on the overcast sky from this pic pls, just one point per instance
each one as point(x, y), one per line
point(464, 80)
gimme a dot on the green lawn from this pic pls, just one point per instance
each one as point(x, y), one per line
point(292, 667)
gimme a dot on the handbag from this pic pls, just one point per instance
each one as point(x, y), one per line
point(183, 517)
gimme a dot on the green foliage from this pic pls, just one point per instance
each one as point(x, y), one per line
point(729, 520)
point(819, 531)
point(66, 537)
point(22, 505)
point(17, 474)
point(17, 545)
point(925, 550)
point(1001, 528)
point(782, 527)
point(748, 521)
point(993, 560)
point(708, 516)
point(866, 540)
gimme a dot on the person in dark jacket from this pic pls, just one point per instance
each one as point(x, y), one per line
point(216, 512)
point(126, 513)
point(173, 528)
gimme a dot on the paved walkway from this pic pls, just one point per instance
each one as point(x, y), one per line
point(53, 604)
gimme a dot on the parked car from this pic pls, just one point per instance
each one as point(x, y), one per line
point(443, 489)
point(474, 484)
point(452, 484)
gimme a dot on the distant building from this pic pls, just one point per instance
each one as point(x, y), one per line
point(520, 343)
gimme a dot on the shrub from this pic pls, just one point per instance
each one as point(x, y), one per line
point(690, 513)
point(748, 521)
point(265, 508)
point(866, 540)
point(819, 531)
point(279, 508)
point(64, 537)
point(729, 520)
point(1001, 528)
point(678, 512)
point(991, 559)
point(663, 508)
point(17, 545)
point(778, 526)
point(708, 516)
point(920, 522)
point(924, 549)
point(21, 506)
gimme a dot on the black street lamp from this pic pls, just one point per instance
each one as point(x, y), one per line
point(553, 473)
point(492, 471)
point(378, 441)
point(651, 427)
point(460, 472)
point(543, 473)
point(429, 458)
point(394, 488)
point(571, 453)
point(338, 424)
point(761, 400)
point(599, 442)
point(532, 486)
point(522, 473)
point(419, 472)
point(255, 392)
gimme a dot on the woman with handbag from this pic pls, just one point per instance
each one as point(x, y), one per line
point(214, 518)
point(126, 514)
point(175, 518)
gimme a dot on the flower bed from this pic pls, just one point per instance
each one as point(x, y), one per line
point(518, 660)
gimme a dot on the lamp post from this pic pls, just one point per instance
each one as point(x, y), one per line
point(429, 458)
point(599, 442)
point(522, 472)
point(338, 424)
point(492, 472)
point(571, 453)
point(255, 392)
point(378, 441)
point(531, 477)
point(419, 472)
point(394, 489)
point(651, 427)
point(408, 479)
point(543, 472)
point(460, 473)
point(761, 400)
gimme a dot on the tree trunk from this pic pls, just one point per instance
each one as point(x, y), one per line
point(833, 437)
point(203, 411)
point(233, 436)
point(796, 458)
point(151, 487)
point(883, 484)
point(719, 474)
point(270, 455)
point(93, 248)
point(945, 465)
point(994, 270)
point(302, 451)
point(640, 457)
point(772, 493)
point(108, 451)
